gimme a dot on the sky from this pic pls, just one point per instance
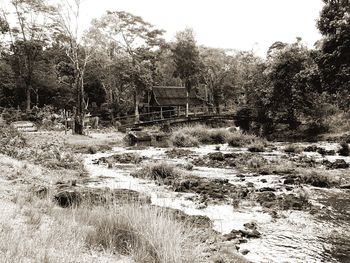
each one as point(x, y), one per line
point(234, 24)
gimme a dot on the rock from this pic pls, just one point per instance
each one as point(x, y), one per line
point(72, 196)
point(267, 189)
point(338, 164)
point(345, 186)
point(311, 148)
point(121, 158)
point(244, 251)
point(251, 225)
point(266, 197)
point(251, 233)
point(217, 156)
point(289, 180)
point(68, 198)
point(250, 184)
point(263, 180)
point(234, 234)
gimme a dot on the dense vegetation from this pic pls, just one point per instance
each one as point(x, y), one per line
point(45, 61)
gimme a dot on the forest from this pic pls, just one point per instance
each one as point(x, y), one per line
point(47, 62)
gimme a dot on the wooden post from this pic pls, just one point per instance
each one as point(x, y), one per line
point(161, 113)
point(178, 111)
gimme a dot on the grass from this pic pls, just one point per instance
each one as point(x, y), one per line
point(158, 171)
point(147, 233)
point(240, 139)
point(317, 178)
point(37, 230)
point(291, 148)
point(257, 146)
point(192, 136)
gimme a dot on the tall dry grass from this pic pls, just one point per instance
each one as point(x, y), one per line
point(147, 233)
point(192, 136)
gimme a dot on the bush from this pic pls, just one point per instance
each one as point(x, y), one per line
point(12, 142)
point(239, 139)
point(256, 147)
point(344, 149)
point(292, 149)
point(158, 171)
point(315, 178)
point(181, 139)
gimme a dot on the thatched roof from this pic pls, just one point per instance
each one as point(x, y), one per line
point(173, 96)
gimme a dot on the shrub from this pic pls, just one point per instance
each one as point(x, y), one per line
point(239, 139)
point(158, 171)
point(316, 178)
point(292, 149)
point(182, 139)
point(256, 147)
point(344, 149)
point(12, 142)
point(193, 135)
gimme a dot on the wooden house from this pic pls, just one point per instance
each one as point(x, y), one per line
point(171, 101)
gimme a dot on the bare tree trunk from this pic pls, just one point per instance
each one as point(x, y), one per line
point(187, 103)
point(28, 100)
point(137, 103)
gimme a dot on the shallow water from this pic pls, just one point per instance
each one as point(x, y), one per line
point(296, 236)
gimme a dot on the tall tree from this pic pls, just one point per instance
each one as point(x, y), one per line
point(122, 34)
point(79, 55)
point(218, 72)
point(187, 60)
point(26, 24)
point(334, 62)
point(290, 69)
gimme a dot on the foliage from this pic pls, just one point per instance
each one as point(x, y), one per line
point(334, 59)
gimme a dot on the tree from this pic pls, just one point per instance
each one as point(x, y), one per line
point(27, 33)
point(292, 75)
point(334, 60)
point(187, 60)
point(124, 35)
point(78, 54)
point(219, 72)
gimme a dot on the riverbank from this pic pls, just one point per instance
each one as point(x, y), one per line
point(46, 171)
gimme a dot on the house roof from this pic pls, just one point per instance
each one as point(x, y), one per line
point(174, 96)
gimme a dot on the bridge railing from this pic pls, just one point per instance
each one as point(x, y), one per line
point(173, 114)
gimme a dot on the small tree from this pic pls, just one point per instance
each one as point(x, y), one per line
point(187, 61)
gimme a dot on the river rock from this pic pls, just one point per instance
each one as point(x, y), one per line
point(345, 186)
point(267, 189)
point(217, 156)
point(71, 196)
point(337, 164)
point(121, 158)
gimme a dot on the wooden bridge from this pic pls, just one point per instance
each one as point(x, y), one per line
point(172, 117)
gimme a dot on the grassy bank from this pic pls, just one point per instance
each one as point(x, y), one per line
point(35, 229)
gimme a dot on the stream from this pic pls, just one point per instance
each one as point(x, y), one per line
point(294, 236)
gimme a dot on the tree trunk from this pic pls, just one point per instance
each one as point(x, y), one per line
point(187, 103)
point(79, 116)
point(137, 113)
point(28, 100)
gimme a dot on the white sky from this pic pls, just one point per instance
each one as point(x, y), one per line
point(236, 24)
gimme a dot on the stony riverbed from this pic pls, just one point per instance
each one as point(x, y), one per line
point(238, 190)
